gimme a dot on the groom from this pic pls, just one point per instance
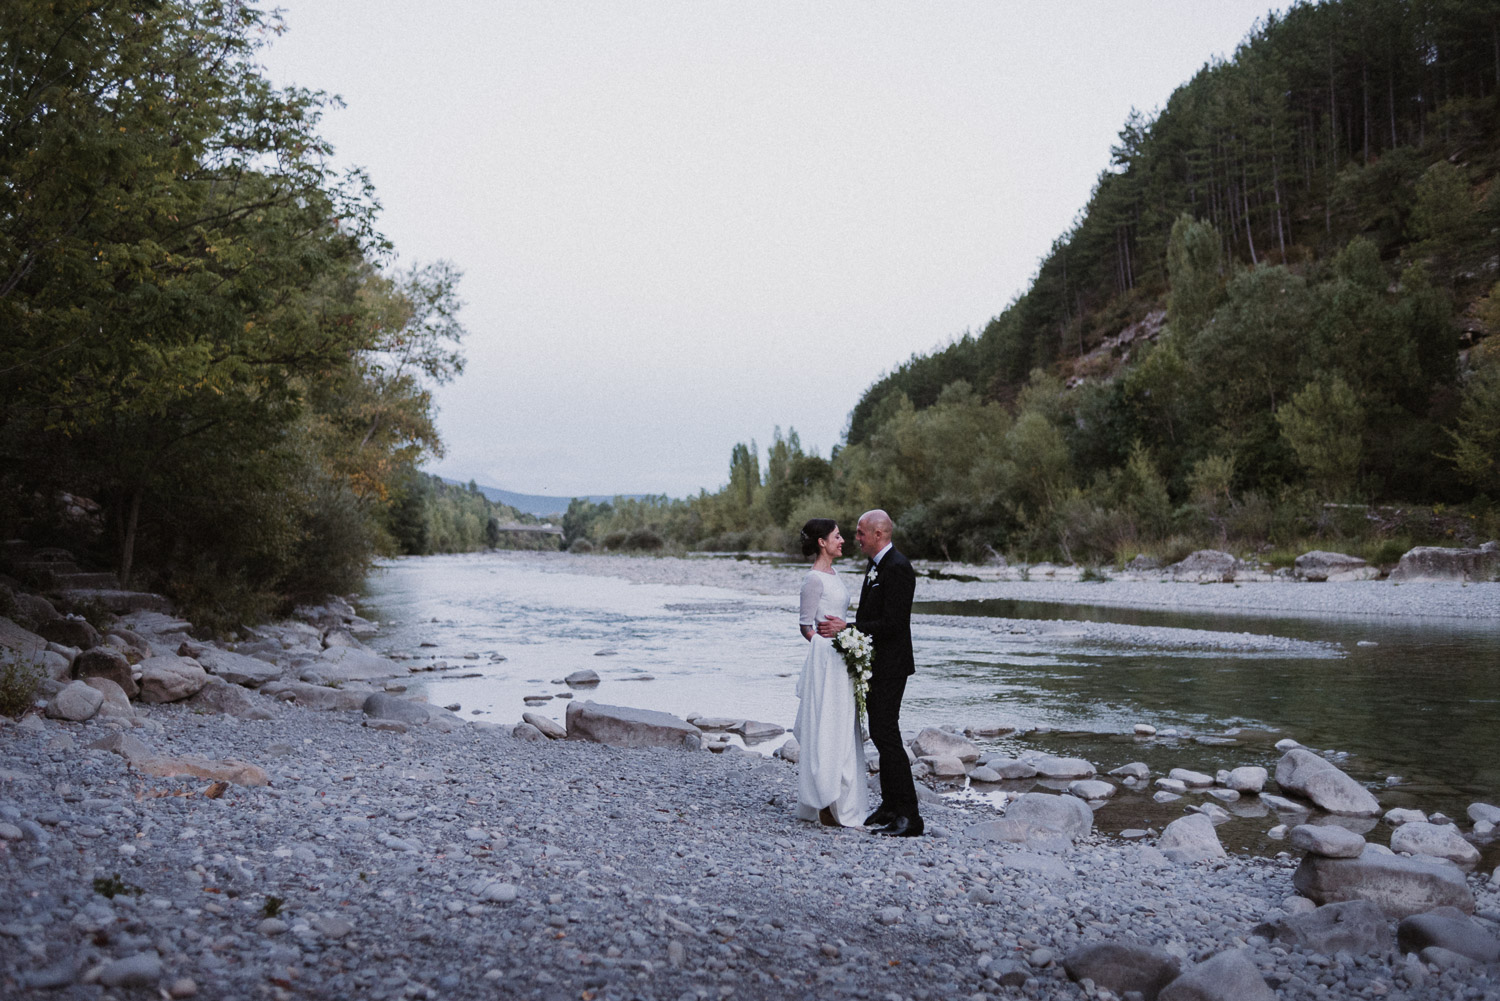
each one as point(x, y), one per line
point(884, 614)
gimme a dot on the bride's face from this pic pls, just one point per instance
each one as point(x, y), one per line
point(834, 544)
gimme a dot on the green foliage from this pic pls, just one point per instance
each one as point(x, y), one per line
point(272, 906)
point(113, 886)
point(1195, 269)
point(1476, 434)
point(1323, 424)
point(20, 678)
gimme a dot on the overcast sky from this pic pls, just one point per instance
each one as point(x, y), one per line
point(685, 223)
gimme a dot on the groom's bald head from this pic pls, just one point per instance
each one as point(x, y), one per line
point(874, 530)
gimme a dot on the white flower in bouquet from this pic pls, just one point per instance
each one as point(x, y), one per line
point(858, 651)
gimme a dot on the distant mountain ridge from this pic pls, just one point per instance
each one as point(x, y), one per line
point(539, 505)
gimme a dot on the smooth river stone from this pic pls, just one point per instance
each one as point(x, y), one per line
point(1304, 773)
point(1326, 840)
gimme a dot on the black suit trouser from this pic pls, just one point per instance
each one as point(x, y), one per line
point(898, 793)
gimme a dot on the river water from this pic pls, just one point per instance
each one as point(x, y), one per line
point(1410, 706)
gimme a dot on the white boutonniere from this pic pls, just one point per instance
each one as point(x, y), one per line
point(873, 577)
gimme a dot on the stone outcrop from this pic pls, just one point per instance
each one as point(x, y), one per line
point(1302, 772)
point(1324, 566)
point(116, 704)
point(1440, 563)
point(1400, 886)
point(623, 726)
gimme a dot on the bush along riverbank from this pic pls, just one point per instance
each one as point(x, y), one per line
point(277, 819)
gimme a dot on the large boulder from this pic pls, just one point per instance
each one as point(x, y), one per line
point(1302, 772)
point(1323, 566)
point(623, 726)
point(1191, 839)
point(1352, 926)
point(106, 662)
point(235, 668)
point(1438, 840)
point(932, 742)
point(1039, 820)
point(1451, 930)
point(1123, 966)
point(1439, 563)
point(75, 703)
point(170, 679)
point(1400, 886)
point(69, 632)
point(338, 665)
point(1229, 976)
point(1206, 566)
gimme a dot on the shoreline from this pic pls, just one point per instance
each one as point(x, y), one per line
point(1283, 596)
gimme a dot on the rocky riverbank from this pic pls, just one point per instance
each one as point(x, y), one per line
point(317, 835)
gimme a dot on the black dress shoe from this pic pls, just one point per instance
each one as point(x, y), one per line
point(880, 818)
point(903, 827)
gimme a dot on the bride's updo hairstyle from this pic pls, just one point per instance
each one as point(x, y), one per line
point(815, 529)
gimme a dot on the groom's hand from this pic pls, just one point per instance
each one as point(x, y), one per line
point(831, 626)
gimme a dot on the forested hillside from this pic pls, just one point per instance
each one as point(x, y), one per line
point(1276, 298)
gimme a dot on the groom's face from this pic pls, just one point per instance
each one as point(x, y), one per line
point(868, 540)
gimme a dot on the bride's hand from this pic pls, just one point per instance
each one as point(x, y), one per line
point(831, 626)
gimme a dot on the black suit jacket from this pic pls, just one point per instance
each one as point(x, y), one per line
point(885, 614)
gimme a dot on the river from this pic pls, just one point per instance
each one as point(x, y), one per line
point(1408, 706)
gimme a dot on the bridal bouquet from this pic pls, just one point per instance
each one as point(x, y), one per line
point(858, 651)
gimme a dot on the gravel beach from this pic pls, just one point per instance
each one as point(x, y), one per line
point(336, 852)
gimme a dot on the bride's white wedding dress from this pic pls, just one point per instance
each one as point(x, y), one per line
point(831, 769)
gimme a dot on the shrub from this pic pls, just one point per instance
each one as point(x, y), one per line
point(614, 540)
point(643, 540)
point(580, 546)
point(19, 681)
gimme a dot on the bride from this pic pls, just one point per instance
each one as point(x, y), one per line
point(831, 770)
